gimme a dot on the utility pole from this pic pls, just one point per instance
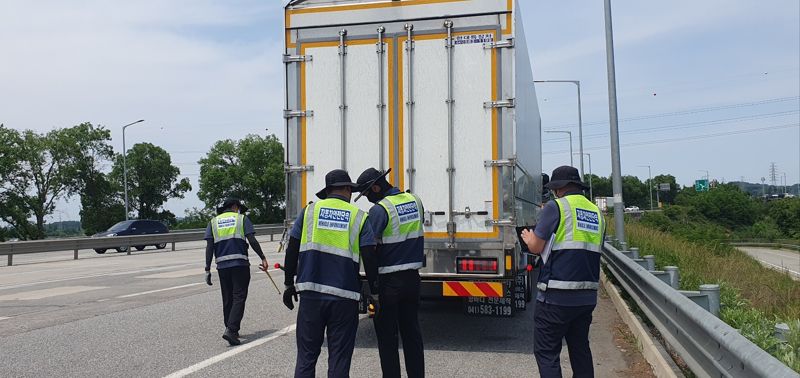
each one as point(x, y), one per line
point(580, 119)
point(616, 166)
point(570, 144)
point(649, 185)
point(125, 164)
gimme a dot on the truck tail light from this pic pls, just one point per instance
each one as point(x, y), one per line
point(476, 265)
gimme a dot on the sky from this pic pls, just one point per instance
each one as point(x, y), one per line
point(703, 87)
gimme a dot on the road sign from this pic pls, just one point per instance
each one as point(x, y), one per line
point(701, 185)
point(664, 187)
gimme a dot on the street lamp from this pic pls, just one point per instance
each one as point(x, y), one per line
point(649, 185)
point(591, 195)
point(570, 142)
point(580, 119)
point(125, 164)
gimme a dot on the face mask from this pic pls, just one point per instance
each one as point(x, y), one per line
point(373, 197)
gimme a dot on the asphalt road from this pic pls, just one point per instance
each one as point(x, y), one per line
point(150, 314)
point(783, 260)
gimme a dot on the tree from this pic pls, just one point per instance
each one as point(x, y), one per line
point(725, 205)
point(666, 196)
point(601, 186)
point(250, 169)
point(152, 181)
point(634, 192)
point(101, 204)
point(48, 167)
point(786, 214)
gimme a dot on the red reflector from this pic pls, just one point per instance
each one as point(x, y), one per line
point(480, 265)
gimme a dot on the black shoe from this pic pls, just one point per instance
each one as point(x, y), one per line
point(231, 337)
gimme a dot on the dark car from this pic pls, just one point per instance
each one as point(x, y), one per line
point(133, 227)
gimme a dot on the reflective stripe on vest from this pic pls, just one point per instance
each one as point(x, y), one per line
point(405, 218)
point(580, 232)
point(327, 234)
point(403, 227)
point(399, 268)
point(227, 226)
point(319, 288)
point(331, 227)
point(581, 225)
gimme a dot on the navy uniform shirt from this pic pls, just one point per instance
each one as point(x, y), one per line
point(249, 229)
point(366, 239)
point(547, 225)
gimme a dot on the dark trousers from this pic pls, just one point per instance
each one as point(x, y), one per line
point(234, 282)
point(553, 323)
point(314, 317)
point(399, 304)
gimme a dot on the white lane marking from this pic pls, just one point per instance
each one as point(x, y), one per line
point(780, 253)
point(4, 317)
point(47, 293)
point(221, 357)
point(781, 268)
point(95, 276)
point(176, 274)
point(159, 290)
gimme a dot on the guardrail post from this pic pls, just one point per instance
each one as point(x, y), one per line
point(271, 237)
point(623, 246)
point(650, 262)
point(781, 330)
point(173, 246)
point(129, 248)
point(635, 252)
point(10, 259)
point(712, 291)
point(674, 276)
point(76, 254)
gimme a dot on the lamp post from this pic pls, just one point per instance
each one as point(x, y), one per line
point(580, 119)
point(570, 142)
point(649, 185)
point(125, 164)
point(591, 195)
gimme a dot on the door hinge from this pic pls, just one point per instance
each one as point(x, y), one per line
point(509, 103)
point(509, 43)
point(297, 58)
point(297, 113)
point(500, 163)
point(501, 222)
point(298, 168)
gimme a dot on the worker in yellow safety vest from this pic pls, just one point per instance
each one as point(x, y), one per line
point(328, 240)
point(227, 237)
point(568, 237)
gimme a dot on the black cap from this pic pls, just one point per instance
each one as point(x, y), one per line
point(230, 201)
point(564, 175)
point(336, 178)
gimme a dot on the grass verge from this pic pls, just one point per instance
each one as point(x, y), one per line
point(753, 298)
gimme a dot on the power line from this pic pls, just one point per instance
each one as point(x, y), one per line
point(681, 139)
point(688, 111)
point(690, 124)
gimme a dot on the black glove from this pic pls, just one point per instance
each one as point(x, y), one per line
point(375, 302)
point(287, 297)
point(208, 278)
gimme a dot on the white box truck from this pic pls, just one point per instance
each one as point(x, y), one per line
point(441, 92)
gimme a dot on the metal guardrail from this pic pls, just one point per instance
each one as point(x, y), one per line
point(709, 346)
point(765, 244)
point(75, 244)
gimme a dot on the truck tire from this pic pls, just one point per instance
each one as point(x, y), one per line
point(100, 250)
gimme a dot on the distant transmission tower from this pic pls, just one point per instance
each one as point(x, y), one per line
point(773, 173)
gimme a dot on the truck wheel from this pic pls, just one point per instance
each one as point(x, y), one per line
point(100, 250)
point(139, 247)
